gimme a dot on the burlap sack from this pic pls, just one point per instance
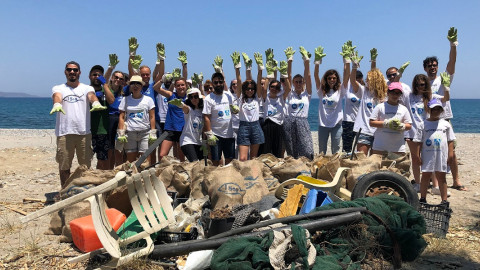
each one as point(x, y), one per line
point(361, 165)
point(397, 163)
point(325, 167)
point(182, 177)
point(225, 186)
point(81, 180)
point(290, 168)
point(255, 185)
point(269, 160)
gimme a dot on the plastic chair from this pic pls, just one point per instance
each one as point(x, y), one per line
point(154, 211)
point(334, 189)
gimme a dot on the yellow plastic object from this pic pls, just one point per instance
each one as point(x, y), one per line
point(311, 180)
point(290, 206)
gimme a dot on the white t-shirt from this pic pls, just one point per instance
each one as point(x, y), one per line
point(418, 114)
point(386, 139)
point(218, 107)
point(235, 117)
point(352, 104)
point(330, 107)
point(437, 88)
point(162, 103)
point(367, 104)
point(297, 105)
point(249, 110)
point(274, 109)
point(138, 117)
point(76, 105)
point(434, 136)
point(192, 130)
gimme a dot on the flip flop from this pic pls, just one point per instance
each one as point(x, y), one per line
point(461, 188)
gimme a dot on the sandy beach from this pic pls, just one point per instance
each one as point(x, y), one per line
point(28, 170)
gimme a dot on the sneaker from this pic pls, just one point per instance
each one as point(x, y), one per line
point(436, 191)
point(416, 187)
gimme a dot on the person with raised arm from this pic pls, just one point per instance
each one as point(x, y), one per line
point(331, 91)
point(250, 134)
point(373, 93)
point(298, 137)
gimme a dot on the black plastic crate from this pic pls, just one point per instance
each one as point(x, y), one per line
point(437, 217)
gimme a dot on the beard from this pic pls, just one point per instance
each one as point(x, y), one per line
point(218, 89)
point(72, 79)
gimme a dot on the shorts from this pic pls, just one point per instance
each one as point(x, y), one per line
point(67, 145)
point(250, 133)
point(225, 146)
point(365, 139)
point(173, 136)
point(137, 141)
point(160, 127)
point(101, 145)
point(192, 152)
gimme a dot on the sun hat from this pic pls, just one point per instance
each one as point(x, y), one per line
point(395, 86)
point(192, 91)
point(136, 78)
point(434, 103)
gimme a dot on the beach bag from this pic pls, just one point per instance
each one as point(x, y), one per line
point(225, 186)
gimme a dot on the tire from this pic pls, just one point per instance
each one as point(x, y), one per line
point(380, 182)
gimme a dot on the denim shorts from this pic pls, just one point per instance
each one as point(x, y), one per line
point(365, 139)
point(250, 133)
point(225, 146)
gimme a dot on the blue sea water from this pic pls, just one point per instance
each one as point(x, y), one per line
point(33, 113)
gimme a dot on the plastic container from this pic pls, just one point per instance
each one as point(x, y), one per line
point(166, 237)
point(219, 225)
point(437, 218)
point(83, 232)
point(315, 198)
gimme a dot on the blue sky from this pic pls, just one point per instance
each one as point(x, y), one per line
point(39, 37)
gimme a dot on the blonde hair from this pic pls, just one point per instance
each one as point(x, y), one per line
point(377, 84)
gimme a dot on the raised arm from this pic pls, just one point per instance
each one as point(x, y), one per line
point(306, 72)
point(289, 52)
point(111, 66)
point(182, 57)
point(452, 59)
point(446, 81)
point(158, 88)
point(248, 66)
point(318, 61)
point(132, 48)
point(237, 65)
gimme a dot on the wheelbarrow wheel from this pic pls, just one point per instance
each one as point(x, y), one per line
point(385, 182)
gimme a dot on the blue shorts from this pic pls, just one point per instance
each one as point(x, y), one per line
point(365, 139)
point(225, 146)
point(250, 133)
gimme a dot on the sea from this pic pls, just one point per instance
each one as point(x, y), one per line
point(33, 113)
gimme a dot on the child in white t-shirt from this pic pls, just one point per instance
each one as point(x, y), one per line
point(391, 120)
point(435, 149)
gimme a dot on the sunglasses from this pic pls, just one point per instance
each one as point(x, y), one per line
point(118, 78)
point(250, 89)
point(193, 96)
point(297, 81)
point(209, 88)
point(421, 84)
point(432, 65)
point(218, 82)
point(96, 74)
point(391, 75)
point(396, 92)
point(72, 69)
point(276, 87)
point(135, 83)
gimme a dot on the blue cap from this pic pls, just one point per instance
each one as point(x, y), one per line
point(434, 103)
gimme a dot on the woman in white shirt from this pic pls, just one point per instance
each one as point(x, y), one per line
point(191, 138)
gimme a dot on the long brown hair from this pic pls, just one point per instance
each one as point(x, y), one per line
point(324, 84)
point(245, 86)
point(427, 94)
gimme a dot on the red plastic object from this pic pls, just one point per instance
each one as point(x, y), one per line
point(83, 232)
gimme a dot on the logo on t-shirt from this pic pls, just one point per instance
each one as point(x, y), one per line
point(72, 98)
point(370, 105)
point(428, 142)
point(220, 113)
point(354, 99)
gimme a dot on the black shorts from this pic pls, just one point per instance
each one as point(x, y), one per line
point(112, 129)
point(192, 152)
point(173, 136)
point(100, 145)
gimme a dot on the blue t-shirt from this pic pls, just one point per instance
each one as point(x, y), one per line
point(113, 108)
point(175, 120)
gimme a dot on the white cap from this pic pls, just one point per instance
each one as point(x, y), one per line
point(193, 91)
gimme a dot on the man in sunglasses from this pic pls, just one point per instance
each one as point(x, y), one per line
point(71, 102)
point(217, 116)
point(430, 65)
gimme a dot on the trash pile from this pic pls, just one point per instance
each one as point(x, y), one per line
point(263, 213)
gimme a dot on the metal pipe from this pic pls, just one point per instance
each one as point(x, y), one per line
point(182, 248)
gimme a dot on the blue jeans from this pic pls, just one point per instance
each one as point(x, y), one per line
point(335, 134)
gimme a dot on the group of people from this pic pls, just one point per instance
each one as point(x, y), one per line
point(212, 119)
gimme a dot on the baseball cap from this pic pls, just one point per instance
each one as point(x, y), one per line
point(395, 85)
point(434, 103)
point(136, 78)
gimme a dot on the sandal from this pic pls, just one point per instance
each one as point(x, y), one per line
point(460, 188)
